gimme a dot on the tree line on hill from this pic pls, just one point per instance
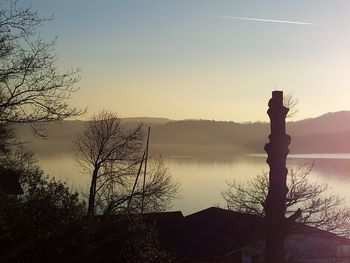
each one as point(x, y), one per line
point(325, 134)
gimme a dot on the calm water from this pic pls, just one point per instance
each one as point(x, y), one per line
point(202, 179)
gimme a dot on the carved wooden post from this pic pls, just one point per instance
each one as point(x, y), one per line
point(277, 151)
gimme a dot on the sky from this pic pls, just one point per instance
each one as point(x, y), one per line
point(203, 59)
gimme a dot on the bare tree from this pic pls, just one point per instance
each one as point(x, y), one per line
point(290, 102)
point(32, 90)
point(319, 208)
point(104, 149)
point(157, 195)
point(113, 154)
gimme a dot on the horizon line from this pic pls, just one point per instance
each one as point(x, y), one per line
point(224, 120)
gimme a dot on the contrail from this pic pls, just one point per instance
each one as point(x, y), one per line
point(262, 20)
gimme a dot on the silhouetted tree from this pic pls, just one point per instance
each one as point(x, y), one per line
point(157, 195)
point(48, 223)
point(41, 222)
point(290, 102)
point(319, 209)
point(32, 90)
point(105, 148)
point(112, 154)
point(277, 151)
point(120, 239)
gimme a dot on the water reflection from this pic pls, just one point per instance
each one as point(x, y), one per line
point(65, 168)
point(335, 169)
point(203, 179)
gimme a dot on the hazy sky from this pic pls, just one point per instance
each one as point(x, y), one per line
point(186, 59)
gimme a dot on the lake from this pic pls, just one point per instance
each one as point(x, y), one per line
point(202, 179)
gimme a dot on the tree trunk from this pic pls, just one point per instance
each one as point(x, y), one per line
point(275, 206)
point(91, 205)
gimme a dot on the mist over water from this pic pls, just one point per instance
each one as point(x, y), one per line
point(202, 179)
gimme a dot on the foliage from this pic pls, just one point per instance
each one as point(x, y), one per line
point(48, 223)
point(121, 239)
point(290, 102)
point(108, 151)
point(113, 154)
point(319, 208)
point(41, 222)
point(157, 195)
point(32, 90)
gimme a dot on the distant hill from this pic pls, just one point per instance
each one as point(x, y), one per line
point(329, 122)
point(61, 134)
point(329, 133)
point(150, 120)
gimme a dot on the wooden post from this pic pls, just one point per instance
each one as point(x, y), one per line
point(275, 205)
point(135, 183)
point(145, 171)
